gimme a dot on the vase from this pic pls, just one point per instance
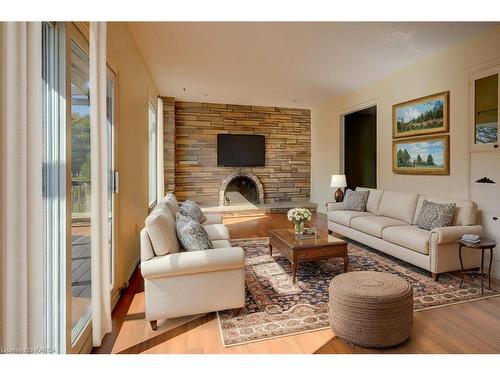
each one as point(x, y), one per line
point(299, 227)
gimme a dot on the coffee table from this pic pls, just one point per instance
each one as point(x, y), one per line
point(298, 250)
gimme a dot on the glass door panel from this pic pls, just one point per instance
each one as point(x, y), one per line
point(113, 176)
point(486, 109)
point(80, 191)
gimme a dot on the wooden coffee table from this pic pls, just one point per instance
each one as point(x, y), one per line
point(298, 250)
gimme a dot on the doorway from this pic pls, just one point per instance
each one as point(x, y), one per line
point(360, 148)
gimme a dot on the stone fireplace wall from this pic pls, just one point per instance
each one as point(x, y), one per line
point(169, 143)
point(286, 175)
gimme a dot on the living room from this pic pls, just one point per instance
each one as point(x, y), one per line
point(204, 187)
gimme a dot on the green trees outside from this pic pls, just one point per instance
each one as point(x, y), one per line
point(80, 147)
point(80, 163)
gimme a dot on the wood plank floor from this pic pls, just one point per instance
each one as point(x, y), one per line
point(472, 327)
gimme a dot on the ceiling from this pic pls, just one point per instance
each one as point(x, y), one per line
point(284, 63)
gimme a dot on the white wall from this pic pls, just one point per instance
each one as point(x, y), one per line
point(446, 71)
point(135, 87)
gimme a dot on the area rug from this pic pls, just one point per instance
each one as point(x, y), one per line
point(275, 307)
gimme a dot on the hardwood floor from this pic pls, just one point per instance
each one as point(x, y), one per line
point(472, 327)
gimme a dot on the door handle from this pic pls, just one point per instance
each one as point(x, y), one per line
point(116, 182)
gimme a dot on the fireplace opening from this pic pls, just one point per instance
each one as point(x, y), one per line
point(241, 190)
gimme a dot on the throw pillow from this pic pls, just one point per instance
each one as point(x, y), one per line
point(160, 226)
point(192, 210)
point(356, 200)
point(192, 235)
point(171, 201)
point(435, 215)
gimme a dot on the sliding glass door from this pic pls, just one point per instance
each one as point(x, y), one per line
point(81, 224)
point(67, 183)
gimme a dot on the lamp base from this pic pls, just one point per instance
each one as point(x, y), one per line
point(339, 195)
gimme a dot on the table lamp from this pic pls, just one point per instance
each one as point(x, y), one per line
point(338, 181)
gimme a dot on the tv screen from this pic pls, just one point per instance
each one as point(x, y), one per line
point(240, 150)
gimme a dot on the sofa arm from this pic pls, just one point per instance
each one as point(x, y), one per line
point(334, 206)
point(193, 262)
point(212, 218)
point(453, 234)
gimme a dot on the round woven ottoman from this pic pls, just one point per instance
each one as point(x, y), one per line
point(371, 309)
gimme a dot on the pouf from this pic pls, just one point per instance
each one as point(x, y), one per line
point(371, 309)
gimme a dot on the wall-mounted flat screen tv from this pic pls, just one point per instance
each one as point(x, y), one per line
point(240, 150)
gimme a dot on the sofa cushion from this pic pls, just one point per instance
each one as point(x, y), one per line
point(212, 219)
point(171, 201)
point(192, 210)
point(192, 235)
point(374, 225)
point(398, 205)
point(221, 244)
point(356, 200)
point(160, 226)
point(435, 215)
point(217, 232)
point(373, 199)
point(408, 236)
point(345, 217)
point(465, 211)
point(194, 262)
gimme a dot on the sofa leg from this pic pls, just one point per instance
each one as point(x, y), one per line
point(435, 276)
point(237, 311)
point(154, 324)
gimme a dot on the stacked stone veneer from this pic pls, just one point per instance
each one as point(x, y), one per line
point(286, 175)
point(169, 143)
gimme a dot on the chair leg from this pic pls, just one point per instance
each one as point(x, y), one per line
point(154, 324)
point(435, 276)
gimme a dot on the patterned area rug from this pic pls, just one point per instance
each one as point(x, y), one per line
point(275, 307)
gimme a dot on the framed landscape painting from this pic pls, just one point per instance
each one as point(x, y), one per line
point(421, 116)
point(422, 155)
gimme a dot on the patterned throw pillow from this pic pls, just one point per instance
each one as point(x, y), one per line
point(356, 200)
point(192, 235)
point(192, 210)
point(435, 215)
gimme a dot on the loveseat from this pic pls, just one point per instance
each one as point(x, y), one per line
point(183, 283)
point(389, 225)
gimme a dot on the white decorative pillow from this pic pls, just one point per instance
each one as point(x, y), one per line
point(435, 215)
point(356, 200)
point(171, 201)
point(161, 229)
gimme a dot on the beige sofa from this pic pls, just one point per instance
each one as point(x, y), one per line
point(389, 225)
point(186, 283)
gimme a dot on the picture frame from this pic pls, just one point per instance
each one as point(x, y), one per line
point(422, 155)
point(425, 115)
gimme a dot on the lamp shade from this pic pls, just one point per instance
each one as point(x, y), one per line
point(338, 181)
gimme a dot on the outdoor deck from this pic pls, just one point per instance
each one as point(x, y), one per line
point(80, 272)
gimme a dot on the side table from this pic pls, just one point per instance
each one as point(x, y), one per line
point(484, 244)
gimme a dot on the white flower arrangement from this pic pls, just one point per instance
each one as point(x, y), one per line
point(299, 215)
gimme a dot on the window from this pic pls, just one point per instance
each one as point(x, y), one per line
point(152, 155)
